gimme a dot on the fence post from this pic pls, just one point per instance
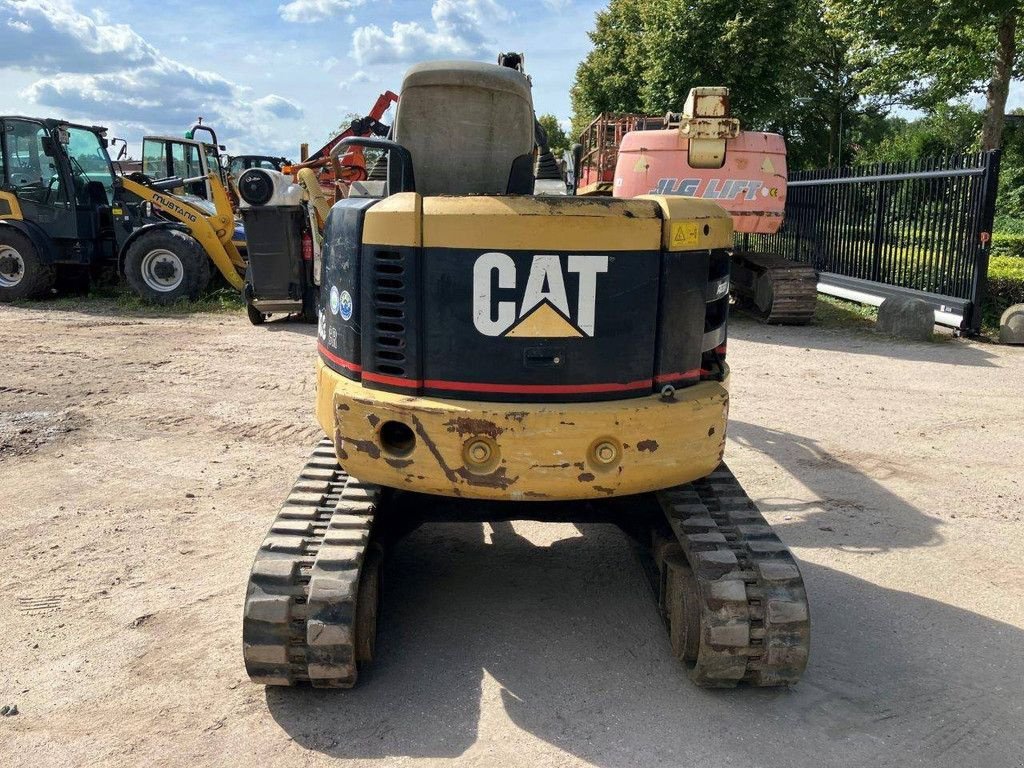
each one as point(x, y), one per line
point(979, 278)
point(876, 256)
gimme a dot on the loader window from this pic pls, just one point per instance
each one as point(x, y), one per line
point(154, 159)
point(89, 163)
point(186, 162)
point(34, 175)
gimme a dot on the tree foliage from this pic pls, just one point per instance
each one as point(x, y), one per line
point(787, 68)
point(926, 53)
point(824, 73)
point(558, 139)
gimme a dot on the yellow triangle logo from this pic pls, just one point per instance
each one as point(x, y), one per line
point(544, 322)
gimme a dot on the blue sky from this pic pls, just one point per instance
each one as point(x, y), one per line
point(267, 75)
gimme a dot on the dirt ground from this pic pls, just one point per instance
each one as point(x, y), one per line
point(143, 458)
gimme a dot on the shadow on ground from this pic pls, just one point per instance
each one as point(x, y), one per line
point(567, 641)
point(843, 491)
point(861, 342)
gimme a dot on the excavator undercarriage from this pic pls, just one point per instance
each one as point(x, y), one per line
point(728, 589)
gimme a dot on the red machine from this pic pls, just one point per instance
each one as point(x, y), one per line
point(352, 165)
point(600, 142)
point(701, 152)
point(750, 183)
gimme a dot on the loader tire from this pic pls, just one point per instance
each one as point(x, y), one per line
point(23, 274)
point(255, 316)
point(166, 265)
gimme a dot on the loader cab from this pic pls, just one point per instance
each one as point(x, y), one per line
point(57, 188)
point(164, 157)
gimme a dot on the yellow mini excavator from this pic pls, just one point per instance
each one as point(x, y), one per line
point(486, 353)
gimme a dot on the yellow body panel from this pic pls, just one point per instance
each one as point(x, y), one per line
point(214, 233)
point(691, 224)
point(396, 220)
point(540, 451)
point(14, 206)
point(543, 224)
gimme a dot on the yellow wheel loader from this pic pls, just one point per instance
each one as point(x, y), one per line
point(168, 257)
point(484, 353)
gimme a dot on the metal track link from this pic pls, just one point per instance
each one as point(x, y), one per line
point(301, 622)
point(730, 589)
point(775, 288)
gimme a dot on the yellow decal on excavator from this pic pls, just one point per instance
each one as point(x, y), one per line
point(685, 234)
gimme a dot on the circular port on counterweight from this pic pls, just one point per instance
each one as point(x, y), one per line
point(397, 438)
point(604, 454)
point(481, 455)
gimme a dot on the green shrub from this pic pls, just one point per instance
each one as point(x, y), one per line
point(1008, 244)
point(1005, 287)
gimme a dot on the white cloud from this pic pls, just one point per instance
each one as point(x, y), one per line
point(459, 29)
point(90, 69)
point(309, 11)
point(278, 106)
point(64, 40)
point(557, 5)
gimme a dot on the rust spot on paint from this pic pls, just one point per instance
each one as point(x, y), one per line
point(343, 406)
point(585, 477)
point(467, 426)
point(516, 416)
point(432, 447)
point(550, 466)
point(373, 418)
point(568, 423)
point(342, 453)
point(399, 463)
point(647, 445)
point(497, 478)
point(602, 489)
point(368, 447)
point(535, 495)
point(711, 431)
point(580, 465)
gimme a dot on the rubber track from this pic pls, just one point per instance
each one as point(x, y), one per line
point(794, 288)
point(299, 619)
point(755, 623)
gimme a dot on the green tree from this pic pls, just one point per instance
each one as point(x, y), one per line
point(558, 139)
point(786, 66)
point(924, 53)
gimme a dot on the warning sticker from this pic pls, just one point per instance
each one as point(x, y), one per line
point(685, 234)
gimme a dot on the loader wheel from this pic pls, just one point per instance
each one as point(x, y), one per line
point(23, 275)
point(255, 316)
point(166, 265)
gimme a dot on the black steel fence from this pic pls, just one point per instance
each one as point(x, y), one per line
point(921, 227)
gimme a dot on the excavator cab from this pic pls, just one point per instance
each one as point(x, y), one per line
point(60, 212)
point(481, 347)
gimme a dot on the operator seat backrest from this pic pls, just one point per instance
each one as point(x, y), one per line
point(469, 127)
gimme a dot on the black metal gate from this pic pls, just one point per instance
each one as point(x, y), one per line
point(921, 228)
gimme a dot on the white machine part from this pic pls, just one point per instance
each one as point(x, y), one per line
point(263, 186)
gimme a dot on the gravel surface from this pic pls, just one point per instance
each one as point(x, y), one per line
point(143, 458)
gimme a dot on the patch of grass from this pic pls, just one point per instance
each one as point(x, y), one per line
point(831, 312)
point(121, 299)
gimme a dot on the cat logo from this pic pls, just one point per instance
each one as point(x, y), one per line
point(544, 310)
